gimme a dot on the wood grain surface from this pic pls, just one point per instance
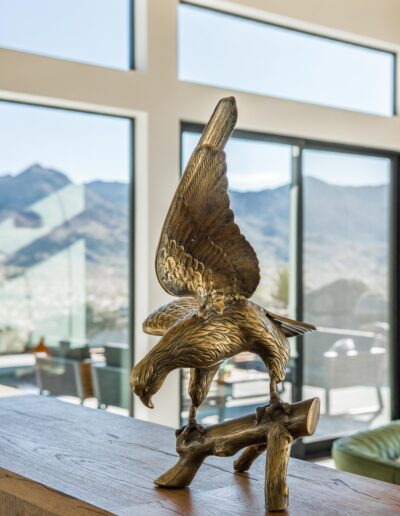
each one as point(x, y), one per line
point(58, 458)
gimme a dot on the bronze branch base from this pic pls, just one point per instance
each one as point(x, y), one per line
point(272, 428)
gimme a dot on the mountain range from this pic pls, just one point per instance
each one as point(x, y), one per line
point(103, 223)
point(346, 228)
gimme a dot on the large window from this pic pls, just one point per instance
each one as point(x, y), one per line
point(89, 31)
point(328, 211)
point(64, 238)
point(231, 52)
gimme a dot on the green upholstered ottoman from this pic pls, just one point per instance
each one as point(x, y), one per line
point(374, 453)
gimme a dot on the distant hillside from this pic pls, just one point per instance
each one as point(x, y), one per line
point(355, 213)
point(103, 224)
point(346, 231)
point(264, 218)
point(343, 225)
point(332, 213)
point(34, 183)
point(114, 192)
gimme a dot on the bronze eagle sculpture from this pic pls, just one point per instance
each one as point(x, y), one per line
point(203, 259)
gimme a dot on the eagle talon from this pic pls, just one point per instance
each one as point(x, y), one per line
point(178, 431)
point(275, 404)
point(190, 429)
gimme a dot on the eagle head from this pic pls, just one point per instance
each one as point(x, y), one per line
point(145, 381)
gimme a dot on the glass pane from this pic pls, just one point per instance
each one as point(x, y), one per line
point(64, 204)
point(247, 55)
point(89, 31)
point(259, 175)
point(346, 253)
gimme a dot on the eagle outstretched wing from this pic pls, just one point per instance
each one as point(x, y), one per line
point(201, 252)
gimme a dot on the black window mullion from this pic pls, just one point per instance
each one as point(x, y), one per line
point(131, 264)
point(394, 286)
point(299, 449)
point(296, 279)
point(132, 45)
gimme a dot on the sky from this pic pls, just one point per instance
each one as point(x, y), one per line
point(254, 165)
point(346, 169)
point(71, 29)
point(85, 146)
point(260, 58)
point(89, 147)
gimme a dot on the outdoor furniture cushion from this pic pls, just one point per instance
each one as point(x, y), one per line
point(372, 453)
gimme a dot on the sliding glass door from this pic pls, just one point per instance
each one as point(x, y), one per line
point(346, 220)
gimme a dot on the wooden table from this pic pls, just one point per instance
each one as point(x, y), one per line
point(57, 458)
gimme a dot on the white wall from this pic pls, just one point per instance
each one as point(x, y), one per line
point(377, 19)
point(153, 95)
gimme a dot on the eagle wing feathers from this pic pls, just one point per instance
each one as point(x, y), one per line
point(161, 320)
point(202, 252)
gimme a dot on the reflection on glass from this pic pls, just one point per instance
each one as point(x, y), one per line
point(259, 175)
point(64, 183)
point(89, 31)
point(247, 55)
point(346, 254)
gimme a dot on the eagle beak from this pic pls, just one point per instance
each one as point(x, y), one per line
point(146, 400)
